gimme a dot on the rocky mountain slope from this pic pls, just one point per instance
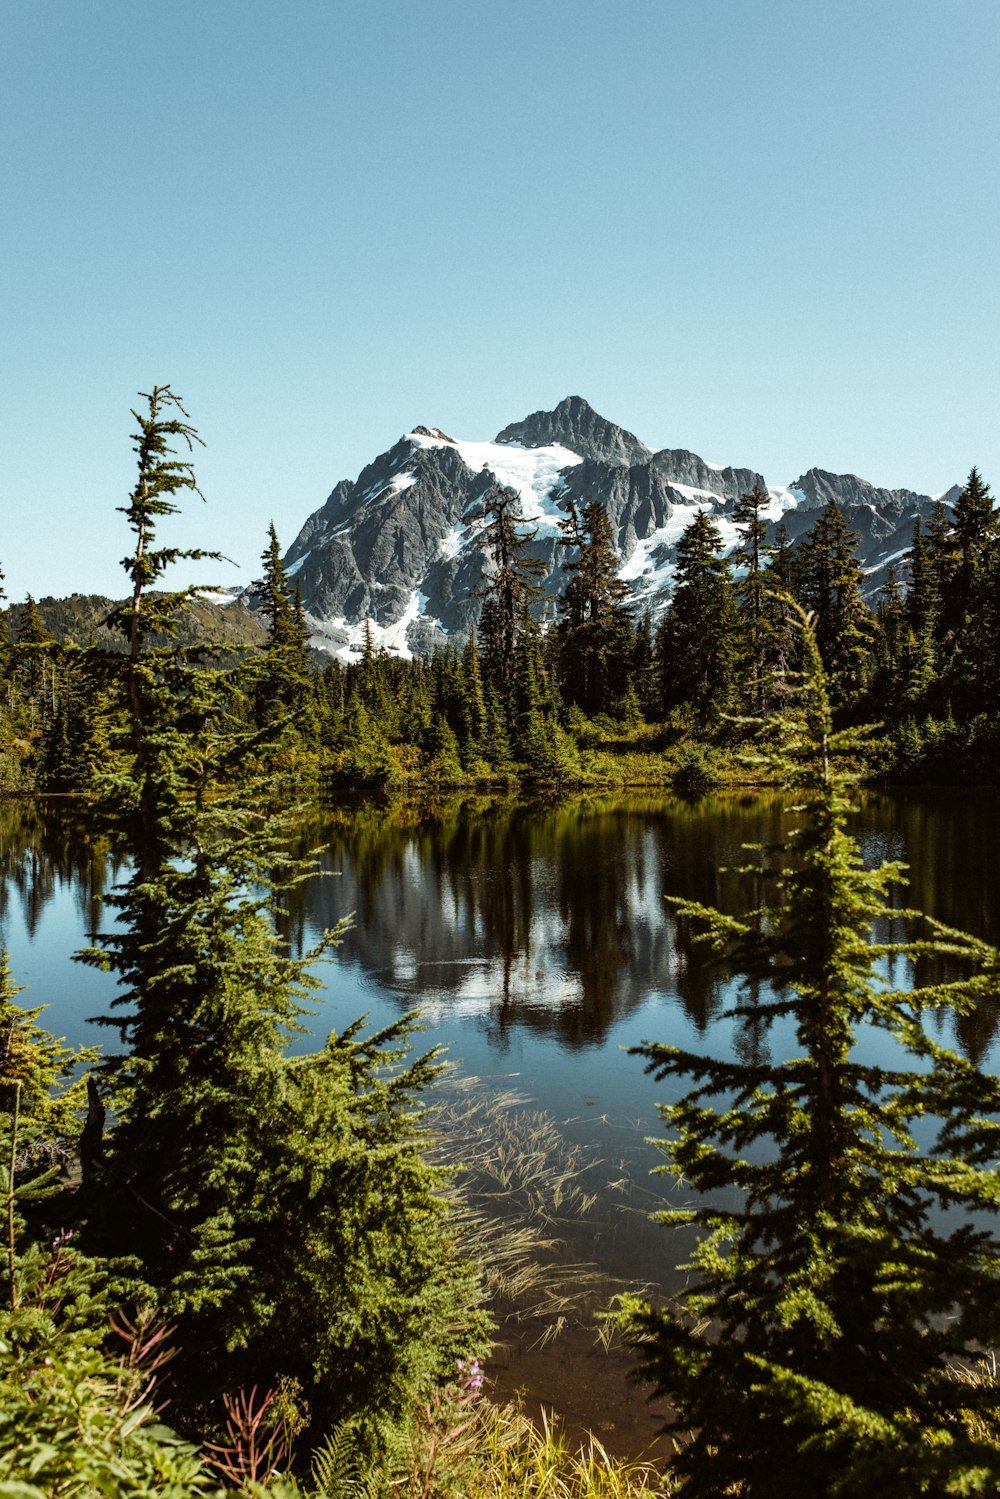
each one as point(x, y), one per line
point(398, 545)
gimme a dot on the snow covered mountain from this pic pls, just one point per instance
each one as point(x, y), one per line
point(398, 545)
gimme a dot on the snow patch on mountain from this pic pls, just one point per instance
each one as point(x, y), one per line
point(346, 639)
point(451, 545)
point(533, 472)
point(701, 497)
point(783, 497)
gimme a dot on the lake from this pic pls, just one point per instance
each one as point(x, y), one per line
point(536, 941)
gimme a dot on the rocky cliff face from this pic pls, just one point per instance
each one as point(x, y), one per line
point(576, 425)
point(398, 546)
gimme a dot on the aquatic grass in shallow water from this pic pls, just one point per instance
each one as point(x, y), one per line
point(517, 1184)
point(523, 1461)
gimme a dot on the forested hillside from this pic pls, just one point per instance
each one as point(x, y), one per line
point(581, 687)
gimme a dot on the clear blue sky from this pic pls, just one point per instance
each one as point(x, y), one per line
point(766, 230)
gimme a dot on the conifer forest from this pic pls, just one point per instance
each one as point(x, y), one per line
point(235, 1264)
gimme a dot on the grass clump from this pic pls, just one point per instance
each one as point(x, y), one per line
point(460, 1446)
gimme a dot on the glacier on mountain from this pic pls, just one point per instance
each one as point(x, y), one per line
point(397, 548)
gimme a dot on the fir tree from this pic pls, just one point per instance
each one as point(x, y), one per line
point(750, 555)
point(973, 613)
point(889, 688)
point(283, 685)
point(473, 730)
point(511, 586)
point(698, 644)
point(977, 527)
point(829, 587)
point(34, 664)
point(594, 632)
point(810, 1351)
point(278, 1209)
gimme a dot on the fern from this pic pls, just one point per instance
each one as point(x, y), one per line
point(336, 1465)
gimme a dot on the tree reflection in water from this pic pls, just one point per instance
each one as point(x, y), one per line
point(547, 917)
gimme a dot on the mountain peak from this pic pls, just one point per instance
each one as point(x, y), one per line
point(574, 424)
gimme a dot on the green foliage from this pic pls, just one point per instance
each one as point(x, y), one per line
point(758, 643)
point(279, 1210)
point(48, 1074)
point(510, 587)
point(281, 690)
point(594, 634)
point(697, 645)
point(833, 1301)
point(693, 771)
point(830, 575)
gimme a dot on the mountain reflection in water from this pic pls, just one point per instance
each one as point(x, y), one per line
point(552, 917)
point(547, 918)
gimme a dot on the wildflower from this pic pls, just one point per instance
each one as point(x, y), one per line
point(474, 1377)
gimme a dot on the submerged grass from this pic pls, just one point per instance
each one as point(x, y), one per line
point(518, 1186)
point(521, 1459)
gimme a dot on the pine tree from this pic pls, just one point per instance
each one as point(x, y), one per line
point(4, 639)
point(278, 1210)
point(34, 665)
point(473, 730)
point(829, 587)
point(594, 632)
point(977, 527)
point(891, 679)
point(283, 685)
point(698, 645)
point(810, 1351)
point(972, 614)
point(755, 608)
point(540, 743)
point(511, 587)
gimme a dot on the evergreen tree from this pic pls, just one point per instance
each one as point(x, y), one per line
point(34, 664)
point(698, 644)
point(830, 579)
point(594, 631)
point(750, 555)
point(473, 729)
point(973, 613)
point(977, 527)
point(891, 679)
point(283, 686)
point(922, 611)
point(541, 744)
point(511, 586)
point(643, 672)
point(811, 1350)
point(4, 637)
point(278, 1210)
point(781, 575)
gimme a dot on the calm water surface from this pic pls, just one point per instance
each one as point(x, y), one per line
point(536, 941)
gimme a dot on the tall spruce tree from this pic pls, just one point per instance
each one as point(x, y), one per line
point(510, 588)
point(756, 608)
point(594, 631)
point(972, 613)
point(277, 1209)
point(34, 666)
point(698, 640)
point(282, 688)
point(830, 587)
point(811, 1350)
